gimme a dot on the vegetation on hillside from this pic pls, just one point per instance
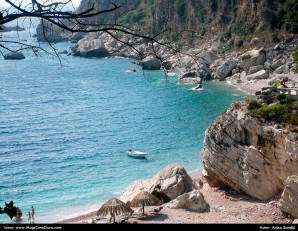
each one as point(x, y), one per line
point(283, 111)
point(232, 19)
point(295, 56)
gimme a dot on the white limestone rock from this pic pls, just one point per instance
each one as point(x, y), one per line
point(289, 198)
point(193, 200)
point(172, 181)
point(248, 155)
point(252, 58)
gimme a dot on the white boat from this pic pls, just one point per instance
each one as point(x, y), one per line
point(137, 154)
point(198, 88)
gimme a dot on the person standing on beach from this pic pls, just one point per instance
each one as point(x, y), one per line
point(29, 217)
point(32, 213)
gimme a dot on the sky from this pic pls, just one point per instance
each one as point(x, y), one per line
point(3, 4)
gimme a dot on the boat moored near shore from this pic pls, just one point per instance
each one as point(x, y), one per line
point(137, 154)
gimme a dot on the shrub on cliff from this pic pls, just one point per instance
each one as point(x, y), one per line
point(254, 105)
point(277, 112)
point(284, 111)
point(295, 56)
point(285, 99)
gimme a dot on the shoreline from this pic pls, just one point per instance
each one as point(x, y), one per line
point(83, 218)
point(226, 206)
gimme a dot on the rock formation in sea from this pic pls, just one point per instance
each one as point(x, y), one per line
point(251, 155)
point(14, 55)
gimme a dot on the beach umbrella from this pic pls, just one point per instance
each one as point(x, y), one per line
point(114, 207)
point(144, 199)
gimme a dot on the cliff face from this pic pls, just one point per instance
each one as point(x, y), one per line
point(193, 22)
point(206, 18)
point(249, 155)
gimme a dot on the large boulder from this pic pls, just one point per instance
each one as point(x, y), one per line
point(252, 58)
point(14, 55)
point(190, 78)
point(208, 57)
point(258, 75)
point(190, 81)
point(276, 64)
point(289, 198)
point(255, 69)
point(193, 200)
point(151, 63)
point(172, 181)
point(91, 48)
point(226, 68)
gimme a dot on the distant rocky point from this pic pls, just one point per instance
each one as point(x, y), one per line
point(11, 28)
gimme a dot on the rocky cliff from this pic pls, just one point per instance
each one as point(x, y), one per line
point(201, 19)
point(249, 154)
point(233, 21)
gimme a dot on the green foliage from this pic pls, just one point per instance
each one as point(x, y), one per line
point(291, 16)
point(241, 28)
point(277, 83)
point(213, 5)
point(254, 105)
point(285, 99)
point(273, 15)
point(239, 43)
point(228, 34)
point(277, 112)
point(295, 56)
point(284, 111)
point(279, 15)
point(227, 49)
point(180, 7)
point(134, 17)
point(203, 31)
point(119, 34)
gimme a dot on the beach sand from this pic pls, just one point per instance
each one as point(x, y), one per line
point(226, 207)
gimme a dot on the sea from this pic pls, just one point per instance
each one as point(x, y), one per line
point(66, 126)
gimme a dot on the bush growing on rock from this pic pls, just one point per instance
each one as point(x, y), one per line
point(278, 112)
point(254, 105)
point(285, 99)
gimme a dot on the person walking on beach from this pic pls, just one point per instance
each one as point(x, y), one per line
point(29, 217)
point(32, 213)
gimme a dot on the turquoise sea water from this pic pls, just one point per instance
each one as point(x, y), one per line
point(65, 131)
